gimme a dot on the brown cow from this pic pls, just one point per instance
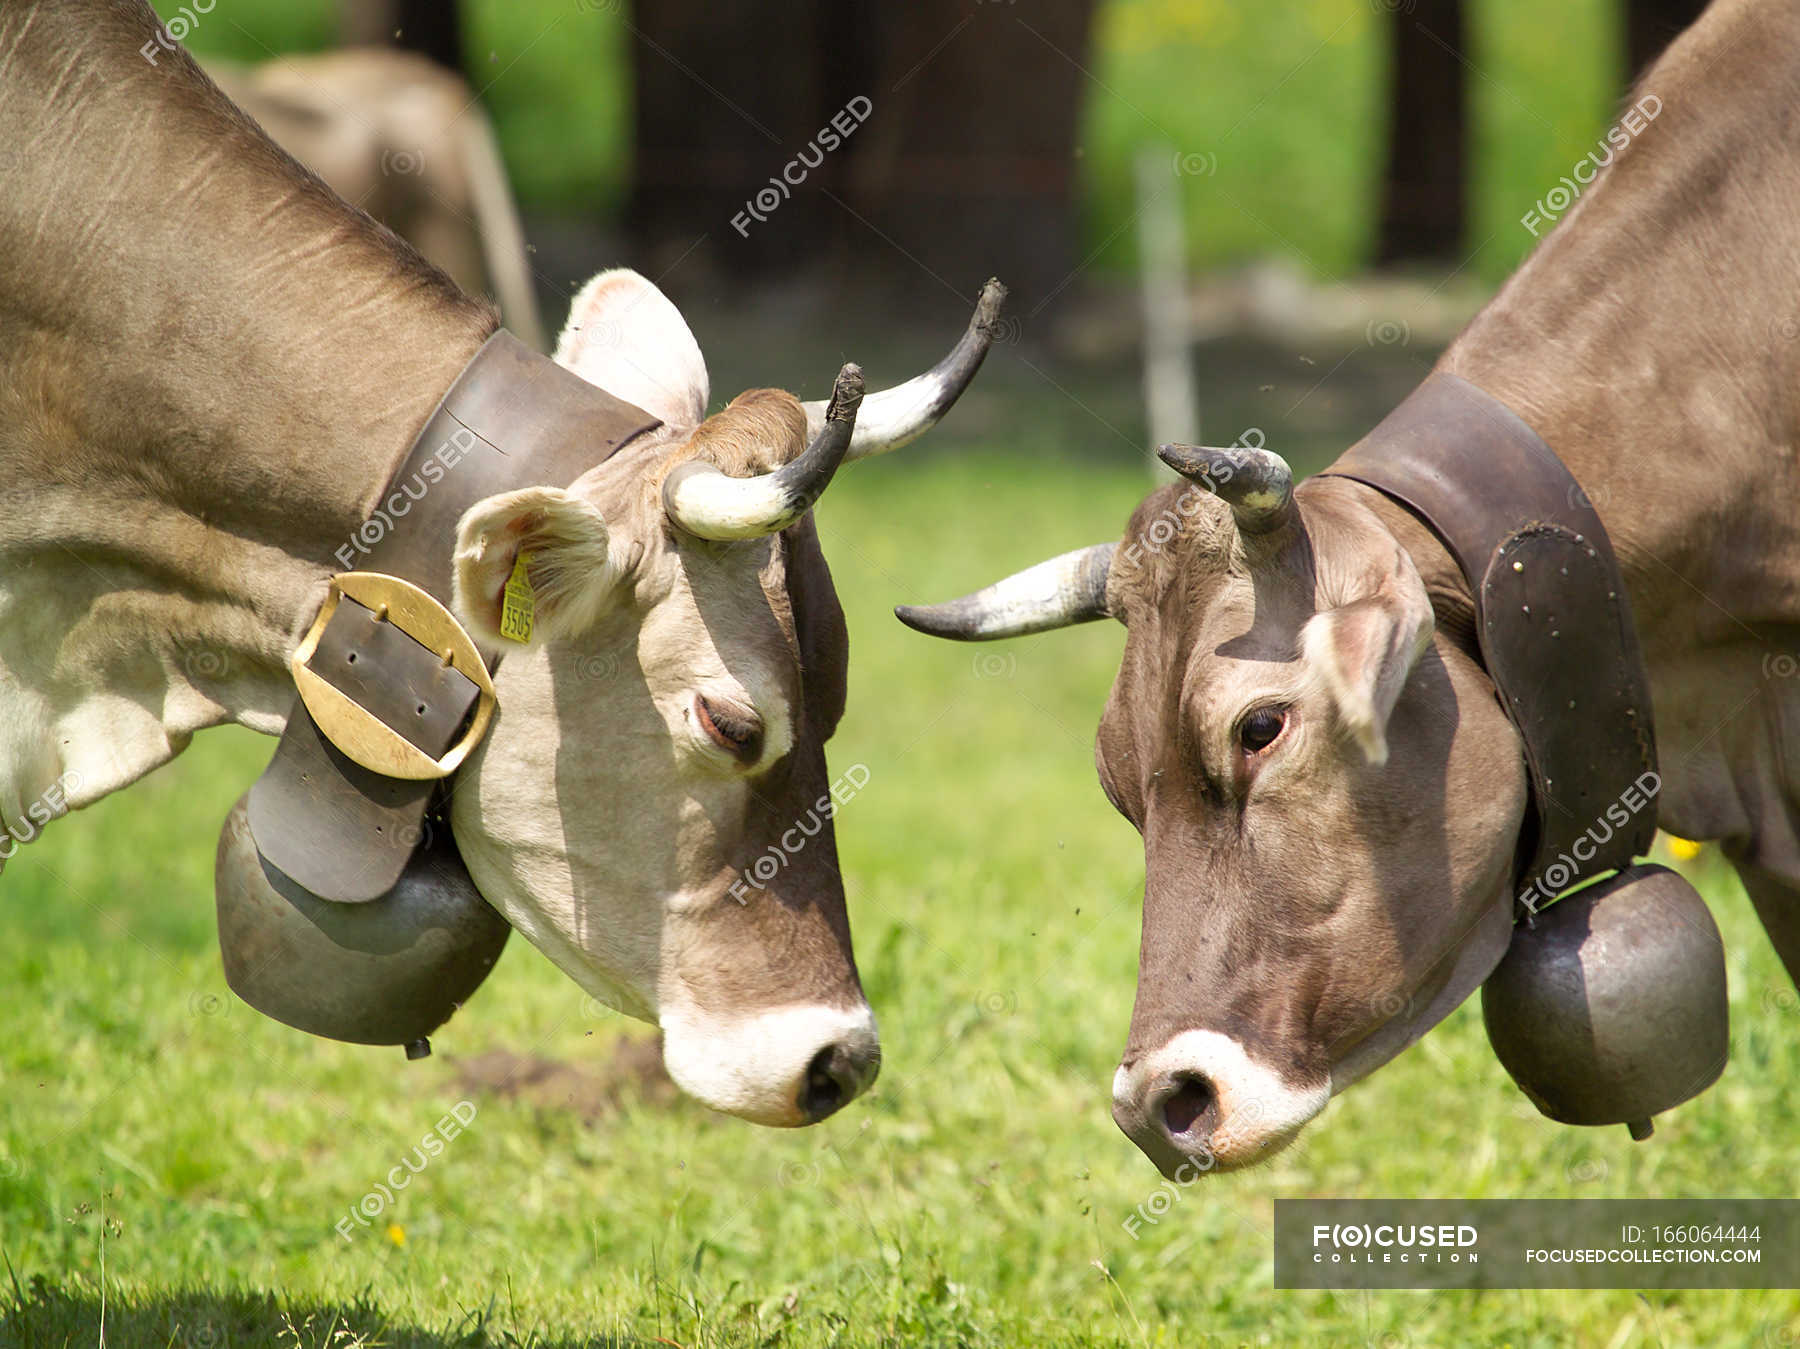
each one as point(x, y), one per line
point(210, 367)
point(1329, 793)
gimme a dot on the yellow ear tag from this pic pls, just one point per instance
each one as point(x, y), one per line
point(518, 606)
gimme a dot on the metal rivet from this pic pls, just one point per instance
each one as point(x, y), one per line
point(1555, 633)
point(1518, 566)
point(1524, 608)
point(1571, 704)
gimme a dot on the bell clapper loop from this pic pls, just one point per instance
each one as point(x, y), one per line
point(1640, 1129)
point(421, 1049)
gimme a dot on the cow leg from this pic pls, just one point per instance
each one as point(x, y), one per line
point(1777, 901)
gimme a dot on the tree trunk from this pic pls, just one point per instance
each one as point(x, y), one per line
point(958, 162)
point(725, 96)
point(1422, 192)
point(432, 28)
point(1650, 25)
point(969, 165)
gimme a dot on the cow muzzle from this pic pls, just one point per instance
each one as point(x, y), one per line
point(786, 1067)
point(1201, 1103)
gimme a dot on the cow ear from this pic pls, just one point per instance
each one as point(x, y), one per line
point(567, 579)
point(1363, 651)
point(625, 336)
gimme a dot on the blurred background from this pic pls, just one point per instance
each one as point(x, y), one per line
point(1213, 216)
point(1334, 134)
point(1283, 211)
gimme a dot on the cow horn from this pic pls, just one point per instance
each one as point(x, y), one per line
point(1064, 591)
point(895, 416)
point(709, 504)
point(1256, 483)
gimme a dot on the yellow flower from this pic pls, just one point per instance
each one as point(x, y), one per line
point(396, 1234)
point(1683, 849)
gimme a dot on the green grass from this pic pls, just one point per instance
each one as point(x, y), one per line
point(1277, 111)
point(977, 1197)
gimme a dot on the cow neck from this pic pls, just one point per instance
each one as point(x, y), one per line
point(1551, 618)
point(512, 419)
point(190, 312)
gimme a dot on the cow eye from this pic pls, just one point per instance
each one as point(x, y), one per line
point(1261, 728)
point(733, 729)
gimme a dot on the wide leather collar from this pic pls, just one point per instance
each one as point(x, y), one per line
point(1552, 619)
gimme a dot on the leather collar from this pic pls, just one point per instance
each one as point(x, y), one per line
point(513, 418)
point(1551, 616)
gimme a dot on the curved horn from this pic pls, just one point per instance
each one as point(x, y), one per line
point(1064, 591)
point(1257, 483)
point(709, 504)
point(907, 411)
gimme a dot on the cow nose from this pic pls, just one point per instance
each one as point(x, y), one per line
point(836, 1075)
point(1202, 1102)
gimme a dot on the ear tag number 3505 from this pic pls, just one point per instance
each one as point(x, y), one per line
point(518, 606)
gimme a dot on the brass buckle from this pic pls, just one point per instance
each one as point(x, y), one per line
point(353, 729)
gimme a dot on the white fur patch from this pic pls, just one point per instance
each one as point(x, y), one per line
point(1259, 1110)
point(755, 1066)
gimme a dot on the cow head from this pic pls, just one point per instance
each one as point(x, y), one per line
point(1329, 794)
point(652, 807)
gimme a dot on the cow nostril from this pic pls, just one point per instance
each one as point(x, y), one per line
point(829, 1083)
point(837, 1074)
point(1193, 1102)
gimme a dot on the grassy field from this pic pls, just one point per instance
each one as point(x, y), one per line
point(1276, 110)
point(173, 1161)
point(174, 1166)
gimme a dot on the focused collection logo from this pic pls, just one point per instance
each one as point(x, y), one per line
point(1394, 1243)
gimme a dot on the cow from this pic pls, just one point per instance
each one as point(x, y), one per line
point(210, 365)
point(1329, 792)
point(408, 142)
